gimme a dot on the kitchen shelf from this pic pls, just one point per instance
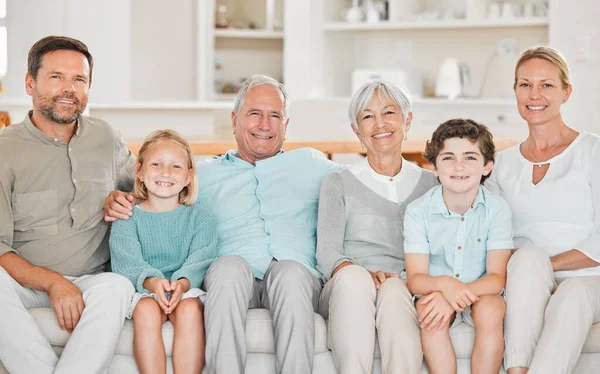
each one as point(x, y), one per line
point(436, 24)
point(436, 101)
point(248, 34)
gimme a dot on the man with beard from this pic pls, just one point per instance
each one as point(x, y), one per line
point(57, 168)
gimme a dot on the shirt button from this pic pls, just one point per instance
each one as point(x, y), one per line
point(55, 139)
point(459, 247)
point(72, 209)
point(457, 275)
point(478, 240)
point(74, 180)
point(462, 219)
point(391, 179)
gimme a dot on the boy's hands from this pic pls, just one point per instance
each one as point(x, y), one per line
point(434, 311)
point(458, 294)
point(380, 276)
point(159, 287)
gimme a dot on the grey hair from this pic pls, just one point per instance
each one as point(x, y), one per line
point(361, 98)
point(261, 80)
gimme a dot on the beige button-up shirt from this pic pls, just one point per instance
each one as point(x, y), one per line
point(52, 194)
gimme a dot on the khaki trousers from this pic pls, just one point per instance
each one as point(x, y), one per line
point(358, 314)
point(543, 331)
point(290, 292)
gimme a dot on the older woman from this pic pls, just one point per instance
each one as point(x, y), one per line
point(552, 183)
point(359, 239)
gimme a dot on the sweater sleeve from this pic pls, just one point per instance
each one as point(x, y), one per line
point(591, 246)
point(203, 249)
point(126, 255)
point(331, 226)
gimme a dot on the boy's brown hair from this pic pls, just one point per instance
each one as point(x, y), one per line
point(461, 128)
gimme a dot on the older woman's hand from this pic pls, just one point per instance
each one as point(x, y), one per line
point(380, 276)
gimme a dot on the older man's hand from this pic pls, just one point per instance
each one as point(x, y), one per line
point(118, 205)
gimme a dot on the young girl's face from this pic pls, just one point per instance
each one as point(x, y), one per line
point(165, 171)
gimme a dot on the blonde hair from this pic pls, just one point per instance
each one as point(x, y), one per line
point(187, 196)
point(549, 54)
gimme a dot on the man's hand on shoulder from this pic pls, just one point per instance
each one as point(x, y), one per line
point(118, 205)
point(68, 303)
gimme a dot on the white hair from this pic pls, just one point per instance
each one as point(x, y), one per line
point(261, 80)
point(361, 98)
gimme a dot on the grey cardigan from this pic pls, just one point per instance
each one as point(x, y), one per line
point(356, 224)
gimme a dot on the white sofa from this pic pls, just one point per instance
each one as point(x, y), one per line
point(259, 332)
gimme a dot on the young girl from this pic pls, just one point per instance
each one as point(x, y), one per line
point(165, 249)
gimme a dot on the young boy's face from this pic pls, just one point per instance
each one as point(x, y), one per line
point(460, 166)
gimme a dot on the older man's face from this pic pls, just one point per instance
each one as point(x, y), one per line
point(260, 126)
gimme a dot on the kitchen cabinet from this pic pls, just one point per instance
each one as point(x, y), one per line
point(236, 39)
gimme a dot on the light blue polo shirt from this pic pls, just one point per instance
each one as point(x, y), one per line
point(267, 210)
point(457, 245)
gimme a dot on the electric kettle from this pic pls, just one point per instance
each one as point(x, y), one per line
point(452, 76)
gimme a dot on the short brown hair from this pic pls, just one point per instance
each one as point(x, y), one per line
point(51, 44)
point(461, 128)
point(549, 54)
point(187, 196)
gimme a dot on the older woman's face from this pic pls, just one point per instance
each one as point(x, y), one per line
point(539, 91)
point(381, 125)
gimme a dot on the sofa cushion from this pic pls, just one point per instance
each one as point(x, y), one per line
point(259, 332)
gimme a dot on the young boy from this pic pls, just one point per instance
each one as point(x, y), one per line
point(457, 241)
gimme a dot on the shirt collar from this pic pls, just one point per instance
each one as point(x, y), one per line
point(45, 137)
point(438, 205)
point(231, 156)
point(379, 177)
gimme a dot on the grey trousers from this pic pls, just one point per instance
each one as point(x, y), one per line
point(358, 314)
point(543, 331)
point(90, 349)
point(288, 290)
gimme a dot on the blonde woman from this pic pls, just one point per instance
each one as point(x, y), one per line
point(552, 185)
point(164, 249)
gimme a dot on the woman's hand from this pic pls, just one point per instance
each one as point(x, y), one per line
point(458, 294)
point(159, 287)
point(380, 276)
point(434, 311)
point(178, 288)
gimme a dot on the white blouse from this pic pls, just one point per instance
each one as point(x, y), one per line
point(561, 212)
point(396, 188)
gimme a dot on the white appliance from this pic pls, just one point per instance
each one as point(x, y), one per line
point(410, 80)
point(452, 76)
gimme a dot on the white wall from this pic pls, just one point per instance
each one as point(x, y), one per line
point(102, 25)
point(574, 29)
point(163, 50)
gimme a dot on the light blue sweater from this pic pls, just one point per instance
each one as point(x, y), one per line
point(181, 243)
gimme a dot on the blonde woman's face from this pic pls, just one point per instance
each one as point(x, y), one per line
point(165, 171)
point(540, 92)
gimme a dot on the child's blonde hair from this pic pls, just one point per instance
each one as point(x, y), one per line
point(187, 196)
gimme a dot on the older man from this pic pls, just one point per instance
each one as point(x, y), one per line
point(266, 203)
point(57, 167)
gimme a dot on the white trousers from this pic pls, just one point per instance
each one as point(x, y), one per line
point(91, 346)
point(543, 331)
point(358, 314)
